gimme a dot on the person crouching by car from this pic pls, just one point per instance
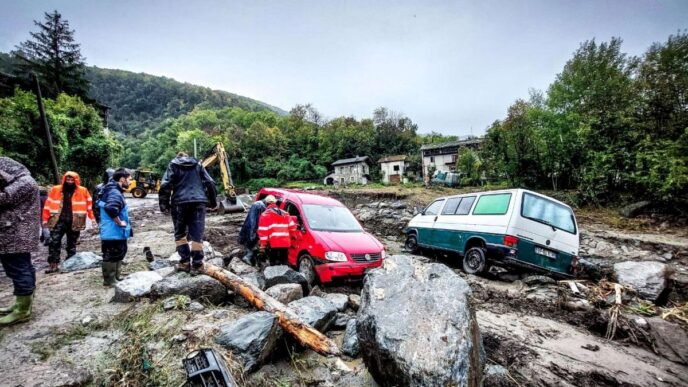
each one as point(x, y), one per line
point(248, 235)
point(275, 228)
point(115, 227)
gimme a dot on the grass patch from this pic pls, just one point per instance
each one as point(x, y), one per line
point(46, 348)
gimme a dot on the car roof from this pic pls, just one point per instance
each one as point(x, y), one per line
point(300, 196)
point(512, 191)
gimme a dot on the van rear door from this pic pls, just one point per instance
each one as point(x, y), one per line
point(547, 232)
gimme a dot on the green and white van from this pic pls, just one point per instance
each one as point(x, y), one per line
point(515, 227)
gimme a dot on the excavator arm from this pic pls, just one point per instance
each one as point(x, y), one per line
point(230, 203)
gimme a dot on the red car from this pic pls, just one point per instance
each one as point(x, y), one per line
point(330, 243)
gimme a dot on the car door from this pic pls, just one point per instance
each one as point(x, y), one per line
point(445, 231)
point(426, 221)
point(298, 242)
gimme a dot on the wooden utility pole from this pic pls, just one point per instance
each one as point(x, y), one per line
point(44, 122)
point(305, 334)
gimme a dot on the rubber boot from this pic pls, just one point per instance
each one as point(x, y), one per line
point(109, 273)
point(197, 262)
point(118, 271)
point(8, 309)
point(184, 252)
point(21, 312)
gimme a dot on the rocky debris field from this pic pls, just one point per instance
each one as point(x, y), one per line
point(419, 320)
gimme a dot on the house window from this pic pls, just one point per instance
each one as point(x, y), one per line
point(396, 168)
point(352, 178)
point(432, 159)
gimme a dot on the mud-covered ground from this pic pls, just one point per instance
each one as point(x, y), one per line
point(78, 337)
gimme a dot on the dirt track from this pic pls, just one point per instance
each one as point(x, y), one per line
point(525, 329)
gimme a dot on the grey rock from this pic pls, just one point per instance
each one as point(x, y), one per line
point(398, 205)
point(648, 278)
point(283, 274)
point(340, 321)
point(374, 204)
point(215, 261)
point(354, 301)
point(671, 341)
point(340, 301)
point(350, 344)
point(220, 314)
point(238, 267)
point(365, 216)
point(200, 287)
point(179, 338)
point(196, 307)
point(285, 293)
point(256, 279)
point(161, 263)
point(634, 209)
point(383, 205)
point(496, 376)
point(417, 327)
point(166, 271)
point(135, 285)
point(81, 261)
point(316, 311)
point(253, 337)
point(538, 280)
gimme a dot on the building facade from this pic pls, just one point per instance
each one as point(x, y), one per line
point(393, 169)
point(443, 156)
point(349, 171)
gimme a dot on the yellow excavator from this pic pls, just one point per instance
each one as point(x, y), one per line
point(231, 202)
point(142, 183)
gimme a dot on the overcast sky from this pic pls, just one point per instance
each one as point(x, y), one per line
point(451, 66)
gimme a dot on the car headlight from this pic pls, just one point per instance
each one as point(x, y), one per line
point(335, 256)
point(383, 254)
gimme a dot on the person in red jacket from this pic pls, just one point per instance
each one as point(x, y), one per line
point(275, 228)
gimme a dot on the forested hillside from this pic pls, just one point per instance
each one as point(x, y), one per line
point(140, 101)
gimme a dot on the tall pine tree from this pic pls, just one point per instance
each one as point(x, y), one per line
point(54, 56)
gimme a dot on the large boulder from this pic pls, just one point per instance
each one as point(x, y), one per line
point(255, 278)
point(282, 274)
point(670, 340)
point(81, 261)
point(285, 293)
point(648, 278)
point(416, 326)
point(239, 267)
point(340, 301)
point(161, 264)
point(135, 285)
point(253, 337)
point(350, 346)
point(200, 287)
point(316, 311)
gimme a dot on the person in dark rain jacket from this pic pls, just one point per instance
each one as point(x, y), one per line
point(186, 190)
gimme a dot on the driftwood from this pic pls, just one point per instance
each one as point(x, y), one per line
point(305, 334)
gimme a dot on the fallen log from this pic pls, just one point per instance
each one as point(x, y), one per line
point(305, 334)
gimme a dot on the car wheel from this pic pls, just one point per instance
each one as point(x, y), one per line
point(138, 193)
point(474, 261)
point(307, 268)
point(412, 244)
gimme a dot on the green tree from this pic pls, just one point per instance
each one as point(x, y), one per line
point(54, 56)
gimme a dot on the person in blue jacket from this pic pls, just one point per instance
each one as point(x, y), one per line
point(248, 235)
point(115, 227)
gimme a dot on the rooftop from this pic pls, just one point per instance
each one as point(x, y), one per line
point(468, 141)
point(354, 160)
point(389, 159)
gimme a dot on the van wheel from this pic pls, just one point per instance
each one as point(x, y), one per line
point(138, 193)
point(411, 244)
point(474, 260)
point(307, 268)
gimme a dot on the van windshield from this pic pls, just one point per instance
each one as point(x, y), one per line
point(548, 212)
point(330, 218)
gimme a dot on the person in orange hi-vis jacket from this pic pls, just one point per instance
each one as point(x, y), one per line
point(275, 228)
point(64, 213)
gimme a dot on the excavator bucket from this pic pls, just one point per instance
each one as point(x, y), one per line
point(243, 202)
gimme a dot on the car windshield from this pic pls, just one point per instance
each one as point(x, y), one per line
point(548, 212)
point(330, 218)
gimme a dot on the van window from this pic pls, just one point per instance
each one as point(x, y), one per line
point(434, 208)
point(451, 206)
point(495, 204)
point(293, 211)
point(465, 206)
point(548, 212)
